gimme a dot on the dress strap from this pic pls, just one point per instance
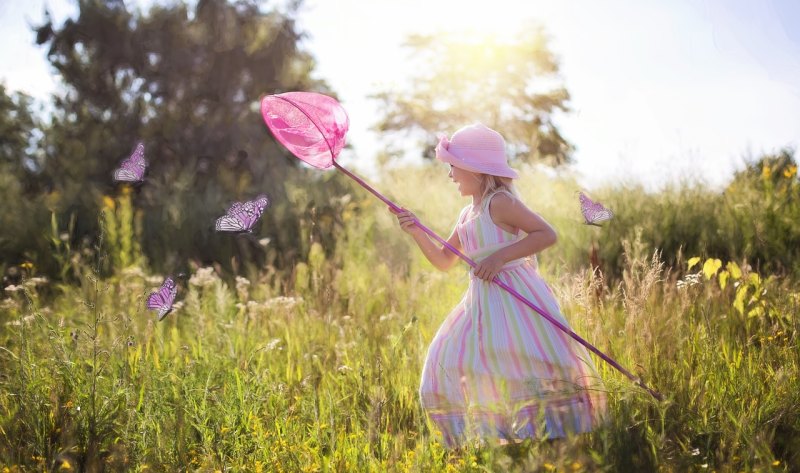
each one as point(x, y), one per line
point(488, 199)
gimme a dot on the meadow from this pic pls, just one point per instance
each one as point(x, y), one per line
point(316, 368)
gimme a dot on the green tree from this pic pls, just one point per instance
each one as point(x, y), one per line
point(512, 86)
point(21, 184)
point(187, 82)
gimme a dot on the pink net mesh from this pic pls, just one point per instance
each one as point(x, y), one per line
point(311, 125)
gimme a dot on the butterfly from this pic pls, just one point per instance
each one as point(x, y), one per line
point(593, 212)
point(242, 215)
point(132, 169)
point(162, 299)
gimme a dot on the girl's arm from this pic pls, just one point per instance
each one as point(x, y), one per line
point(441, 257)
point(505, 210)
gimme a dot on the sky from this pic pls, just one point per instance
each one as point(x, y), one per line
point(661, 90)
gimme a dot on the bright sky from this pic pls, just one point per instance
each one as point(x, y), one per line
point(661, 89)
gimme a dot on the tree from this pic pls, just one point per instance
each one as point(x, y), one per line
point(186, 81)
point(21, 186)
point(509, 85)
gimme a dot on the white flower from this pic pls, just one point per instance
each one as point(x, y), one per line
point(33, 282)
point(133, 271)
point(154, 280)
point(283, 302)
point(689, 280)
point(241, 288)
point(13, 288)
point(8, 304)
point(203, 277)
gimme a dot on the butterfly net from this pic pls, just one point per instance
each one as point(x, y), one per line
point(312, 126)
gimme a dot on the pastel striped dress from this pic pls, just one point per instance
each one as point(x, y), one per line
point(497, 369)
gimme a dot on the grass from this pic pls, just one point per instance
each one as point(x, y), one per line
point(318, 369)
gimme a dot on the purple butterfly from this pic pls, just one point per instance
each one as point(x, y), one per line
point(242, 216)
point(593, 212)
point(162, 299)
point(132, 169)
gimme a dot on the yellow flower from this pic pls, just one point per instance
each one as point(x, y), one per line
point(790, 171)
point(65, 465)
point(27, 265)
point(549, 466)
point(108, 202)
point(776, 463)
point(766, 171)
point(576, 466)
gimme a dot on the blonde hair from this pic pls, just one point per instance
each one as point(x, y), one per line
point(493, 184)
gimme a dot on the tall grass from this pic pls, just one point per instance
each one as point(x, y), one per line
point(318, 370)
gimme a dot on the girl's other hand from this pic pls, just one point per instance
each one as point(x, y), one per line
point(488, 268)
point(407, 220)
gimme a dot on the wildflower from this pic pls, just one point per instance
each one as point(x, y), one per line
point(576, 466)
point(344, 369)
point(9, 304)
point(27, 265)
point(272, 344)
point(133, 271)
point(203, 277)
point(33, 282)
point(241, 288)
point(549, 466)
point(776, 463)
point(13, 288)
point(689, 280)
point(154, 280)
point(790, 171)
point(65, 465)
point(26, 319)
point(695, 452)
point(108, 202)
point(283, 302)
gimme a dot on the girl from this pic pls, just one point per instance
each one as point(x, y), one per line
point(496, 369)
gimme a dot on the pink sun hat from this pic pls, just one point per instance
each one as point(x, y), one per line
point(476, 148)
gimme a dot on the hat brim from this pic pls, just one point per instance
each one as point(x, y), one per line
point(446, 156)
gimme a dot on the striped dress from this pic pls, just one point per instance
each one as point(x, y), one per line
point(497, 369)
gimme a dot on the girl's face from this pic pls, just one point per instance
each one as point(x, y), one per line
point(469, 183)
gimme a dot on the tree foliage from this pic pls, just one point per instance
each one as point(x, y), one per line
point(512, 86)
point(186, 81)
point(20, 185)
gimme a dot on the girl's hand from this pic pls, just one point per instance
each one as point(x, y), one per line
point(407, 220)
point(488, 268)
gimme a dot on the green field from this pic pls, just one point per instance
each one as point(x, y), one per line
point(316, 368)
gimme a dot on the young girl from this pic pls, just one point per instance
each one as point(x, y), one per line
point(496, 369)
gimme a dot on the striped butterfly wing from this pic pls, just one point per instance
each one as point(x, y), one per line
point(231, 222)
point(593, 212)
point(132, 169)
point(162, 299)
